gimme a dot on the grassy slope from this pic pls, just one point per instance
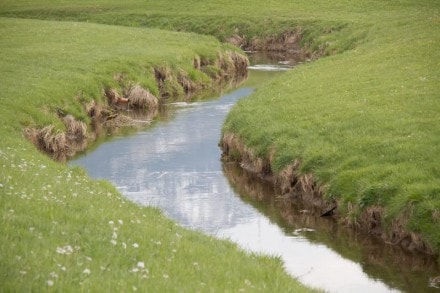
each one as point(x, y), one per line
point(365, 122)
point(63, 231)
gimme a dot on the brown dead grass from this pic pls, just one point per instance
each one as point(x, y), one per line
point(75, 129)
point(371, 219)
point(141, 98)
point(232, 64)
point(188, 85)
point(112, 96)
point(167, 82)
point(58, 144)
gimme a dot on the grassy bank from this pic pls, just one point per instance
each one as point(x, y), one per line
point(364, 122)
point(62, 231)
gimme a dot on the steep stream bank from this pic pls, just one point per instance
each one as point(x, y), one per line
point(228, 70)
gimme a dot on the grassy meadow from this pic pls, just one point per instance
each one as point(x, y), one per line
point(62, 231)
point(364, 120)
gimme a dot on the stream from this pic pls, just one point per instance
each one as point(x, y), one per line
point(174, 164)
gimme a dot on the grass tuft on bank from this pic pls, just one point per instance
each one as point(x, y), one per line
point(61, 230)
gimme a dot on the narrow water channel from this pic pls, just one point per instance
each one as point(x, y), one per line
point(175, 165)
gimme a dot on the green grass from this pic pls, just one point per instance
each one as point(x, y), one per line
point(87, 56)
point(62, 231)
point(365, 121)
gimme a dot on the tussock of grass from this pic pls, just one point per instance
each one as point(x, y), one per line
point(141, 98)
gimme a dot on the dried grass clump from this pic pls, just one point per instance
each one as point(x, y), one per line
point(112, 95)
point(231, 66)
point(288, 41)
point(167, 82)
point(49, 141)
point(188, 85)
point(398, 234)
point(232, 147)
point(287, 179)
point(226, 64)
point(237, 41)
point(140, 98)
point(75, 129)
point(118, 121)
point(241, 63)
point(371, 219)
point(60, 145)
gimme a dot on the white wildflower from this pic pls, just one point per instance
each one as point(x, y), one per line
point(87, 272)
point(113, 241)
point(111, 222)
point(165, 276)
point(65, 250)
point(49, 283)
point(114, 235)
point(135, 245)
point(124, 245)
point(53, 275)
point(141, 264)
point(120, 222)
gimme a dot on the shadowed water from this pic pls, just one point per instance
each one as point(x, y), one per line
point(175, 165)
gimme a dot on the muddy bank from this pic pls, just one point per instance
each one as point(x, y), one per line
point(129, 104)
point(287, 42)
point(302, 189)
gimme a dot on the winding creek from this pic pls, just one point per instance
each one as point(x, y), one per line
point(175, 165)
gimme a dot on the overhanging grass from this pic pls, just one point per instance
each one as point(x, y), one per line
point(62, 231)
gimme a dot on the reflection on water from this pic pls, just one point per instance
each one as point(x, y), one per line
point(175, 165)
point(357, 253)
